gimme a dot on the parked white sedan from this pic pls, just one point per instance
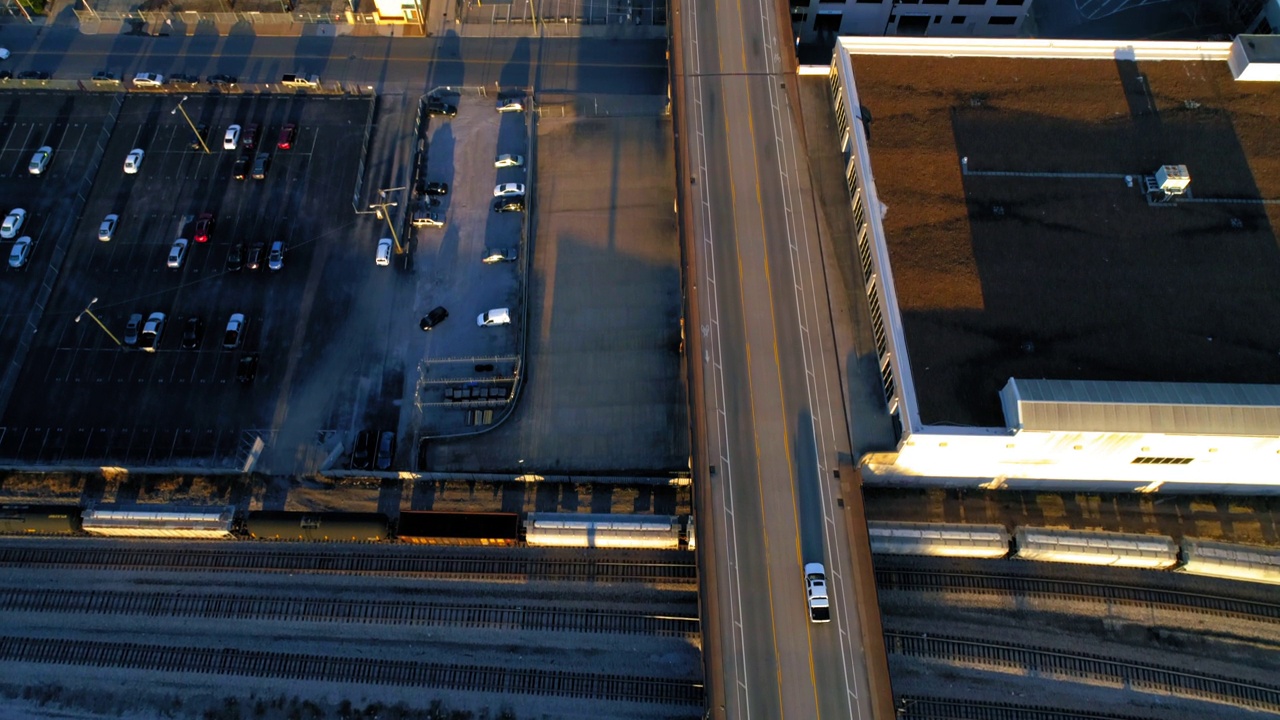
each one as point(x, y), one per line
point(13, 222)
point(496, 316)
point(232, 138)
point(509, 190)
point(177, 253)
point(508, 161)
point(108, 227)
point(133, 162)
point(40, 160)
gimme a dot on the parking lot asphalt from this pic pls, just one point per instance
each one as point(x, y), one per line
point(337, 336)
point(459, 355)
point(32, 120)
point(80, 397)
point(602, 387)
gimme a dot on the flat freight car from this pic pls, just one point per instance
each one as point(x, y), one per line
point(317, 527)
point(1155, 552)
point(657, 532)
point(39, 519)
point(165, 521)
point(938, 539)
point(430, 527)
point(1250, 563)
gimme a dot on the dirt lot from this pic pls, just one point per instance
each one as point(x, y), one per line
point(1073, 277)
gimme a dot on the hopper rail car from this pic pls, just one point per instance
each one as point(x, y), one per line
point(1196, 556)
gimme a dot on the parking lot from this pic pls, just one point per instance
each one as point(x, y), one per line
point(466, 373)
point(80, 396)
point(336, 335)
point(602, 389)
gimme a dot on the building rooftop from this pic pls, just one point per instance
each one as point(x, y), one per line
point(1042, 257)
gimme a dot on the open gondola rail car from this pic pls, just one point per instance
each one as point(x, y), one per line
point(317, 526)
point(938, 539)
point(1251, 563)
point(434, 527)
point(160, 521)
point(39, 519)
point(1153, 552)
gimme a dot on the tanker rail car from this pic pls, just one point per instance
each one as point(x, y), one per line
point(39, 519)
point(317, 527)
point(426, 527)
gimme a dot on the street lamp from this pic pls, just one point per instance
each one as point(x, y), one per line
point(94, 318)
point(380, 209)
point(192, 125)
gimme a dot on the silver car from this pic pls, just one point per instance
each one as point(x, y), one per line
point(40, 160)
point(132, 328)
point(107, 229)
point(13, 223)
point(152, 331)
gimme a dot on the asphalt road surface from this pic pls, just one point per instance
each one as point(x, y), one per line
point(775, 426)
point(554, 65)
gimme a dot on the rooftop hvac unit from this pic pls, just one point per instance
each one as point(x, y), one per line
point(1173, 179)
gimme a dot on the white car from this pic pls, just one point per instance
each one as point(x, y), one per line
point(232, 138)
point(507, 105)
point(149, 340)
point(20, 253)
point(496, 316)
point(13, 222)
point(383, 258)
point(235, 332)
point(148, 80)
point(108, 227)
point(177, 253)
point(133, 162)
point(509, 190)
point(508, 161)
point(40, 160)
point(815, 590)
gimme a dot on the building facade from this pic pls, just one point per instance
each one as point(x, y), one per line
point(816, 20)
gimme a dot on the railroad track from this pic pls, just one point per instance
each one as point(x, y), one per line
point(354, 560)
point(1084, 667)
point(925, 580)
point(466, 678)
point(925, 708)
point(240, 607)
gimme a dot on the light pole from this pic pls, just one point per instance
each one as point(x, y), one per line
point(94, 318)
point(192, 125)
point(380, 209)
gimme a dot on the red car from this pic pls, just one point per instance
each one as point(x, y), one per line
point(287, 133)
point(204, 226)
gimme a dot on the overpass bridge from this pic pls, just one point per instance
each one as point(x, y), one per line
point(772, 457)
